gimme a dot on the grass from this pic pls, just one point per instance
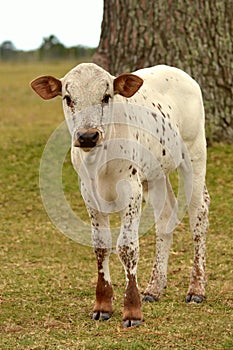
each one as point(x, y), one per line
point(48, 281)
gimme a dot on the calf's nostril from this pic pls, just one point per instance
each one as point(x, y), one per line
point(81, 136)
point(94, 136)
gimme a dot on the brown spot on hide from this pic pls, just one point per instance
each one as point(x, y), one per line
point(154, 116)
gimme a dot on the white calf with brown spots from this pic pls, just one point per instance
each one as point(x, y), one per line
point(126, 131)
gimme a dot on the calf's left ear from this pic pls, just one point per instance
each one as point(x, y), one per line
point(127, 84)
point(47, 87)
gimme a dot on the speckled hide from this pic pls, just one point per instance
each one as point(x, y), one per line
point(129, 131)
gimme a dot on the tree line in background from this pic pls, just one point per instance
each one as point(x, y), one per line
point(51, 48)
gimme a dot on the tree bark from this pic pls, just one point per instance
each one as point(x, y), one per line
point(196, 36)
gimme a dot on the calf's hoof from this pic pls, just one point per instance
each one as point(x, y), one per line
point(132, 323)
point(149, 298)
point(193, 298)
point(101, 316)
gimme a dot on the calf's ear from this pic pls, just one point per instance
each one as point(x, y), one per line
point(127, 84)
point(47, 87)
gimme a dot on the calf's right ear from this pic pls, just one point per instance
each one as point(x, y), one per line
point(47, 87)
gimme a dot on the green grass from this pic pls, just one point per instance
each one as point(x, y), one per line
point(48, 281)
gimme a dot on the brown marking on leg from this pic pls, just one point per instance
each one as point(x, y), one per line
point(132, 313)
point(132, 301)
point(104, 291)
point(104, 295)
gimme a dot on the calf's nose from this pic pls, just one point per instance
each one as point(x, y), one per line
point(87, 138)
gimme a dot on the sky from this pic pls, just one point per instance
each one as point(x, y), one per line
point(74, 22)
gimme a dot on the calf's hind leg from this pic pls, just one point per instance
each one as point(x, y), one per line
point(164, 237)
point(199, 224)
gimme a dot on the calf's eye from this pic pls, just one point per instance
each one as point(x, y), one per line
point(68, 101)
point(106, 99)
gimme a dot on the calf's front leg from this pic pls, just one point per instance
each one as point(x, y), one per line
point(104, 292)
point(128, 252)
point(102, 243)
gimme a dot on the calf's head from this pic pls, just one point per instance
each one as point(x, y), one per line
point(86, 91)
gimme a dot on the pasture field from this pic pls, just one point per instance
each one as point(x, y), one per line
point(48, 281)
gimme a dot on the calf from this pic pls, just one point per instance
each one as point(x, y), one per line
point(127, 131)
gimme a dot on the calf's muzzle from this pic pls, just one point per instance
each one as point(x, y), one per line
point(87, 138)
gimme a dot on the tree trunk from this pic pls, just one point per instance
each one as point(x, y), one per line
point(196, 36)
